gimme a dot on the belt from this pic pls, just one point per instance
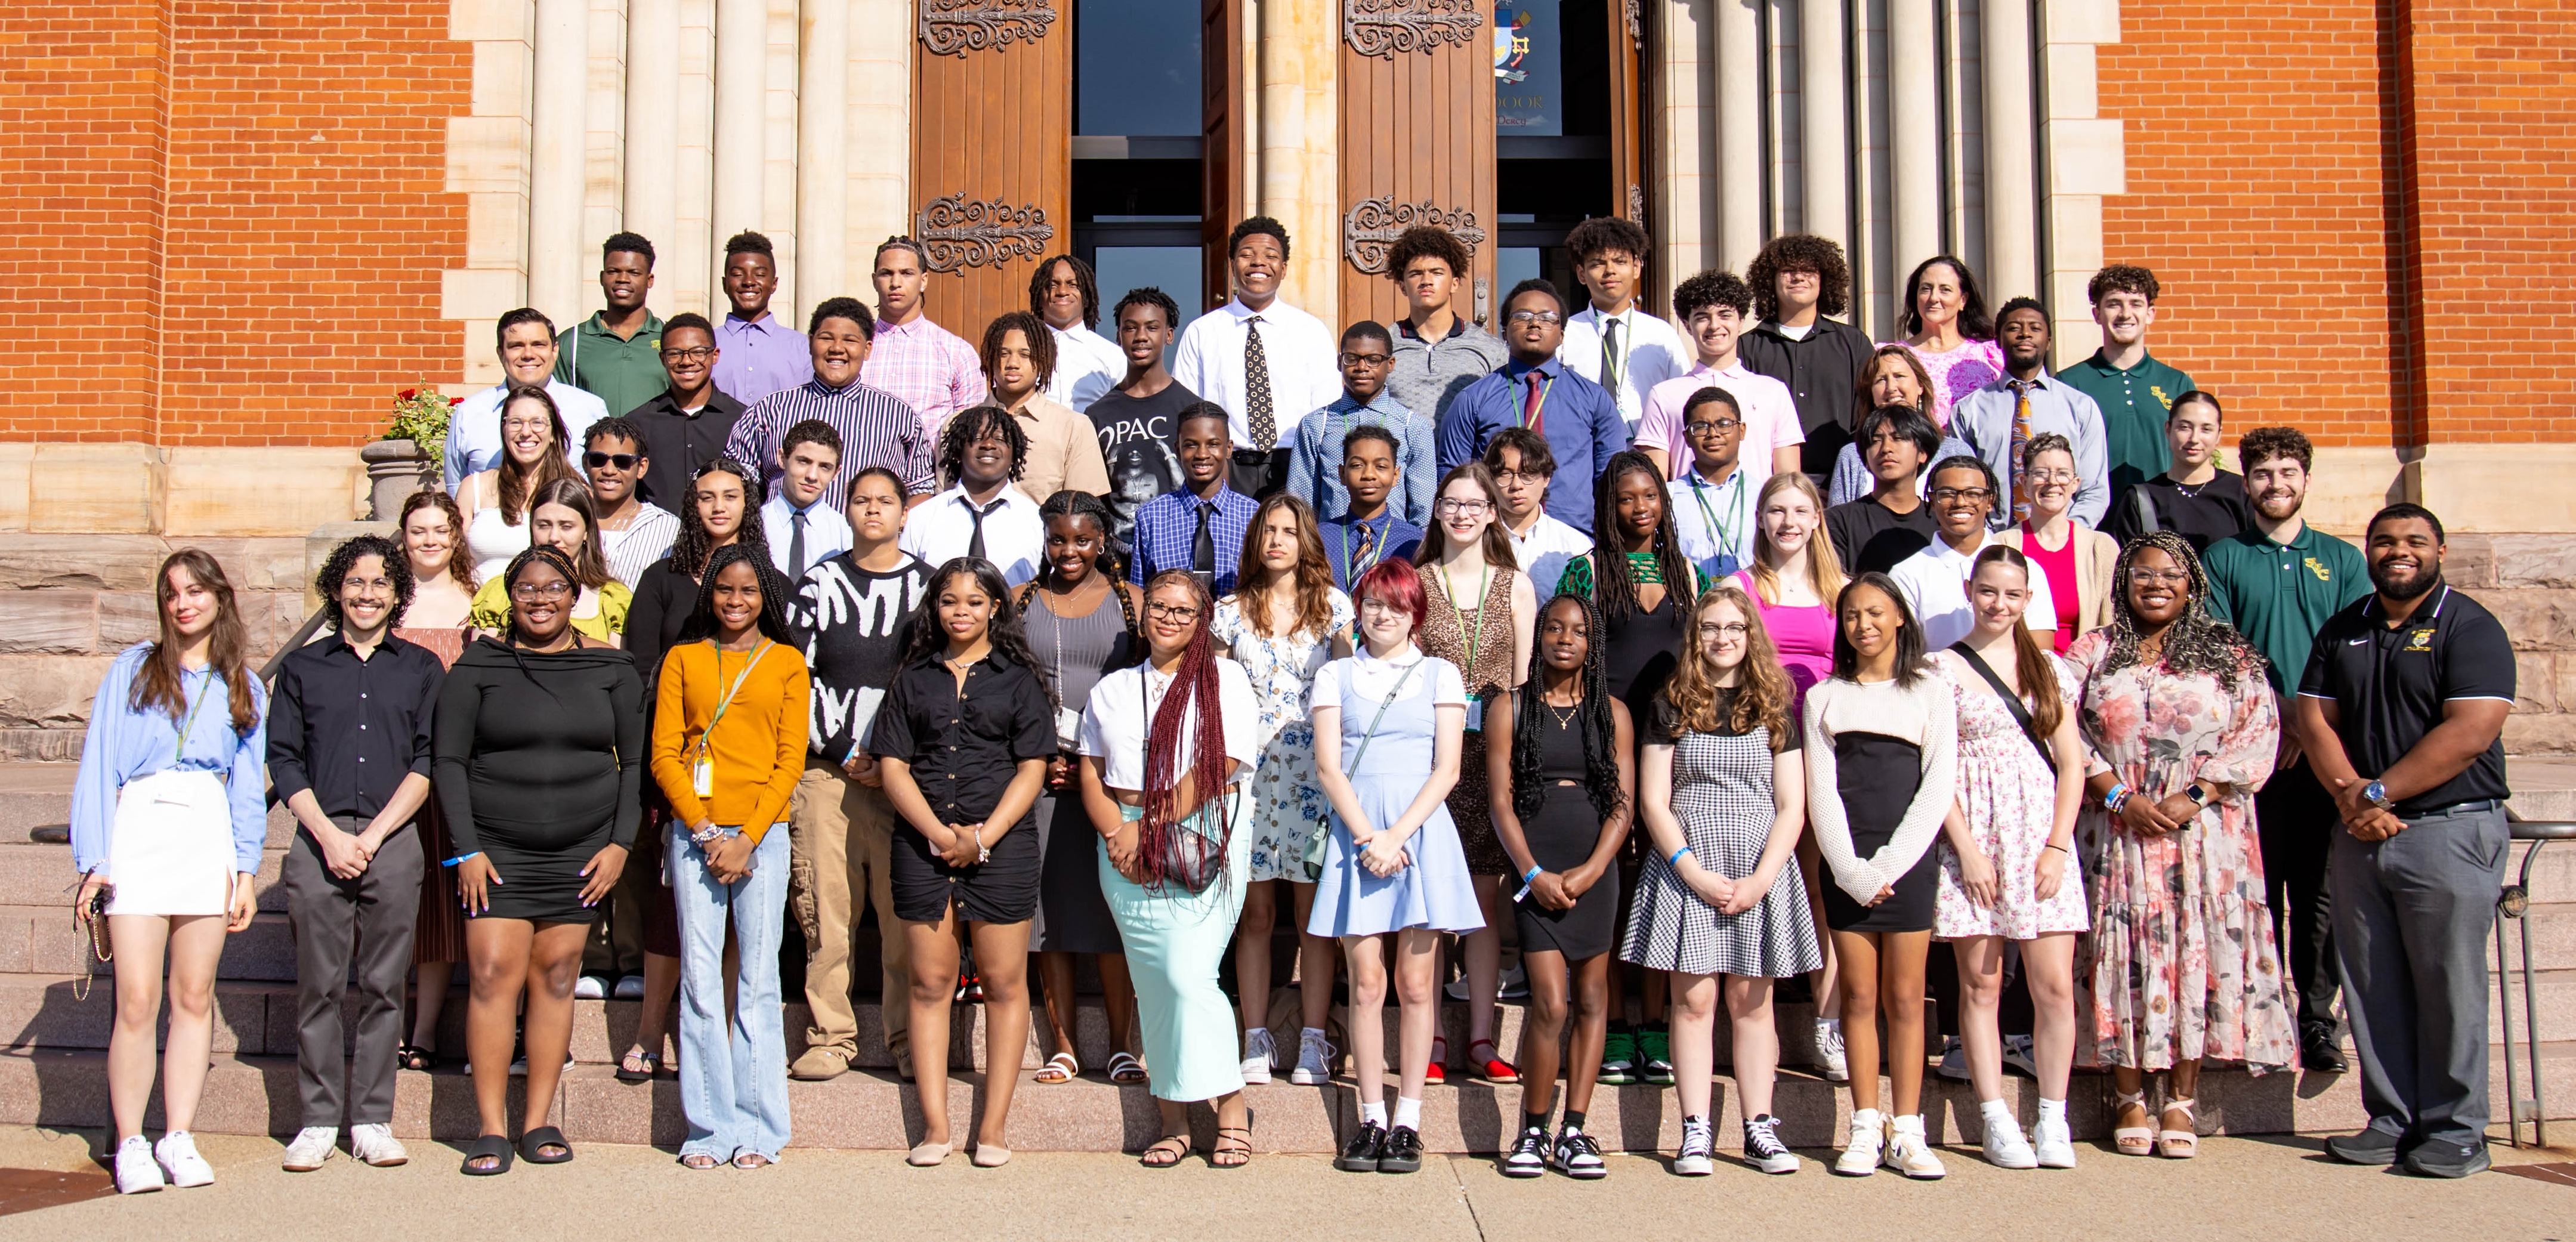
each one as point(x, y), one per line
point(1253, 455)
point(2470, 807)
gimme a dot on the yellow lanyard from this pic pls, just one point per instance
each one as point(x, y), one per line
point(1725, 536)
point(708, 738)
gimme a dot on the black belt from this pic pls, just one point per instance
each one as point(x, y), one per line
point(1252, 456)
point(2470, 807)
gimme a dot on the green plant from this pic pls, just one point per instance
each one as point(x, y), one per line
point(420, 416)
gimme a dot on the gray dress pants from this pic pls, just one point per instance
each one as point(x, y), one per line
point(2412, 914)
point(366, 923)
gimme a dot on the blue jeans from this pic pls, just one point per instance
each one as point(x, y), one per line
point(733, 1082)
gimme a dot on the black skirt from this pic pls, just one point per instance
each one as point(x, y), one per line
point(1002, 889)
point(1561, 837)
point(1073, 917)
point(1877, 776)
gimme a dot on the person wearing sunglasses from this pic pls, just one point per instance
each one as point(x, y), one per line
point(632, 534)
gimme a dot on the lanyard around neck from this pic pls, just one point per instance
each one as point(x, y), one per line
point(189, 721)
point(1725, 535)
point(708, 738)
point(1466, 632)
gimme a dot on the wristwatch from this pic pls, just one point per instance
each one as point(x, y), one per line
point(2376, 794)
point(2199, 796)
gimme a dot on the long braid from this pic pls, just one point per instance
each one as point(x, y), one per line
point(2195, 642)
point(1168, 853)
point(1600, 731)
point(1613, 587)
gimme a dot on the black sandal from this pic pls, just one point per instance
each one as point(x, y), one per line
point(651, 1061)
point(1175, 1146)
point(1229, 1145)
point(415, 1058)
point(534, 1143)
point(492, 1147)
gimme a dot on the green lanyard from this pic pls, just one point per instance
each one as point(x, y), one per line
point(1465, 631)
point(190, 720)
point(1724, 535)
point(707, 738)
point(1377, 549)
point(1538, 411)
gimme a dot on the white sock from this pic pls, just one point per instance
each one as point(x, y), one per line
point(1995, 1110)
point(1865, 1121)
point(1373, 1111)
point(1408, 1113)
point(2052, 1111)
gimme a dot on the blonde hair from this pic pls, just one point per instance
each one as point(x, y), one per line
point(1824, 568)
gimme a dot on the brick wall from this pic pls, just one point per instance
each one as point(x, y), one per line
point(292, 156)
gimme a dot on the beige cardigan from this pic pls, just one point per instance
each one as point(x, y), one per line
point(2096, 555)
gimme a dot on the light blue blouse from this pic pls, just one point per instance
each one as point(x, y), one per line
point(124, 744)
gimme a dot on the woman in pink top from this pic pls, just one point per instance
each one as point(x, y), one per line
point(1794, 581)
point(2075, 558)
point(1948, 327)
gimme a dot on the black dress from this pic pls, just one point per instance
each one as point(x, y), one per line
point(964, 750)
point(1561, 837)
point(1878, 776)
point(540, 758)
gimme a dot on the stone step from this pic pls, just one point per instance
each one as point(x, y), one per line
point(248, 1094)
point(42, 939)
point(42, 875)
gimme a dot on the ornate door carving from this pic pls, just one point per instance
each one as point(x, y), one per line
point(992, 125)
point(1417, 141)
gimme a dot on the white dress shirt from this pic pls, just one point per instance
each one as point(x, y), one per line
point(645, 540)
point(1087, 364)
point(1935, 582)
point(1544, 551)
point(474, 429)
point(1116, 722)
point(1715, 521)
point(1296, 347)
point(1650, 349)
point(827, 533)
point(941, 529)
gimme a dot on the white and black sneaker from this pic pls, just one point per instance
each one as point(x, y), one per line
point(1763, 1148)
point(1528, 1156)
point(1578, 1156)
point(2018, 1056)
point(1695, 1157)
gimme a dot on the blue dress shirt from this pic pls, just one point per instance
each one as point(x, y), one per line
point(1580, 422)
point(1315, 467)
point(1166, 524)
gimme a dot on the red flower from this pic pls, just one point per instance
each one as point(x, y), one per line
point(456, 400)
point(406, 394)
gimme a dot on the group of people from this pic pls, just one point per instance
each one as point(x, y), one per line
point(1040, 646)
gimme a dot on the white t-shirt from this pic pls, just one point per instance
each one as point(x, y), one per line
point(1117, 723)
point(1372, 678)
point(1935, 582)
point(943, 527)
point(1544, 551)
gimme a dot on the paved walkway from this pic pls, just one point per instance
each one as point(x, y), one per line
point(2238, 1188)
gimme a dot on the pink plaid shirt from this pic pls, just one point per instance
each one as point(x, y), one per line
point(934, 370)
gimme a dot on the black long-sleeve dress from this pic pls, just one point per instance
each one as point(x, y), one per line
point(539, 760)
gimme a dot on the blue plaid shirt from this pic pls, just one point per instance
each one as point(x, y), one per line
point(1315, 465)
point(1390, 538)
point(1166, 524)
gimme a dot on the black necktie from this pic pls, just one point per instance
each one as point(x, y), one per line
point(1203, 544)
point(1610, 354)
point(796, 545)
point(975, 545)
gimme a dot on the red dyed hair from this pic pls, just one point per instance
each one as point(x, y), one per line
point(1397, 583)
point(1166, 852)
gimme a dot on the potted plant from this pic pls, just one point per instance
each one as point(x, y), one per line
point(407, 458)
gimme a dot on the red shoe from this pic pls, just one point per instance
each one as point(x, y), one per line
point(1494, 1067)
point(1438, 1070)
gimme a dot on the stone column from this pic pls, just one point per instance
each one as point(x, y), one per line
point(1822, 86)
point(1740, 180)
point(488, 154)
point(2084, 158)
point(555, 182)
point(2012, 198)
point(822, 120)
point(652, 144)
point(742, 52)
point(691, 274)
point(603, 156)
point(1682, 196)
point(1300, 183)
point(878, 163)
point(1914, 137)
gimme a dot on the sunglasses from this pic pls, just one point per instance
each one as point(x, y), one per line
point(623, 461)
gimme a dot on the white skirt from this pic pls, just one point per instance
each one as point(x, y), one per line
point(171, 850)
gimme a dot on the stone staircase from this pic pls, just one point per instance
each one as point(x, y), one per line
point(52, 1049)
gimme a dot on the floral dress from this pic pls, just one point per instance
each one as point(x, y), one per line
point(1288, 806)
point(2181, 963)
point(2008, 795)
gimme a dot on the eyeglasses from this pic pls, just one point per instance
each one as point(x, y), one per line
point(2049, 476)
point(1550, 317)
point(2159, 577)
point(1463, 508)
point(1509, 477)
point(1707, 426)
point(1730, 629)
point(623, 461)
point(699, 354)
point(1183, 613)
point(1973, 495)
point(533, 591)
point(527, 424)
point(1366, 360)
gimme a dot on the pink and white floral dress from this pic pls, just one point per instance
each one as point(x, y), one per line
point(2008, 796)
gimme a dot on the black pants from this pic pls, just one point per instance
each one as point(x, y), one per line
point(1257, 473)
point(367, 922)
point(2297, 822)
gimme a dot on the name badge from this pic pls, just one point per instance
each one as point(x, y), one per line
point(1475, 715)
point(702, 777)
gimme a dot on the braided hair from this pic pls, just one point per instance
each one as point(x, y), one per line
point(969, 425)
point(1166, 852)
point(1612, 588)
point(774, 592)
point(2195, 642)
point(1083, 506)
point(689, 551)
point(1600, 734)
point(928, 638)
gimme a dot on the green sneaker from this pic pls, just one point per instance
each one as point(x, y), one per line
point(1619, 1057)
point(1655, 1048)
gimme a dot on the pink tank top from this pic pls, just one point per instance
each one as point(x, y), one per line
point(2059, 566)
point(1804, 635)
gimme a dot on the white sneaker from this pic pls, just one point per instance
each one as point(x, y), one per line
point(2053, 1145)
point(136, 1171)
point(375, 1144)
point(590, 987)
point(2005, 1147)
point(1829, 1050)
point(1868, 1141)
point(1954, 1059)
point(2018, 1056)
point(1256, 1055)
point(1907, 1152)
point(177, 1152)
point(312, 1146)
point(1314, 1059)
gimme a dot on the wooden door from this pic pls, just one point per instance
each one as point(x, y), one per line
point(992, 151)
point(1417, 144)
point(1222, 132)
point(1627, 132)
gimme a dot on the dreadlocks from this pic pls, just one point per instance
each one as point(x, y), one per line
point(1614, 588)
point(2194, 642)
point(1600, 735)
point(973, 424)
point(1167, 852)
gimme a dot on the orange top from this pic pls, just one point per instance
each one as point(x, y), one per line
point(759, 745)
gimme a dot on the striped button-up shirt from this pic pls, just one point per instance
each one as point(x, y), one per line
point(931, 368)
point(757, 357)
point(1315, 465)
point(876, 429)
point(1166, 525)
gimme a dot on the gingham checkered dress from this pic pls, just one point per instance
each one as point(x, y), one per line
point(1722, 794)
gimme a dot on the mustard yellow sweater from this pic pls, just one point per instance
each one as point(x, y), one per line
point(759, 746)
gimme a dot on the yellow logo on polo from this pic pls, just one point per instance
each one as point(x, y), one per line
point(2318, 568)
point(2422, 640)
point(2158, 392)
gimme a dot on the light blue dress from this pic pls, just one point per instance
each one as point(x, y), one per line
point(1435, 891)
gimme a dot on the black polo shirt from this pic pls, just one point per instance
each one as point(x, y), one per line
point(351, 729)
point(679, 442)
point(964, 749)
point(2390, 685)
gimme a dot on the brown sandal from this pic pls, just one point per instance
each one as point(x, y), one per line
point(1171, 1148)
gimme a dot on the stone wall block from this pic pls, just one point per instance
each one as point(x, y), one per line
point(61, 621)
point(2536, 620)
point(49, 691)
point(95, 562)
point(2533, 560)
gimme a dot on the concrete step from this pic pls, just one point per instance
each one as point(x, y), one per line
point(42, 875)
point(42, 939)
point(248, 1094)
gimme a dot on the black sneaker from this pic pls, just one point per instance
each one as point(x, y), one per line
point(2373, 1146)
point(1362, 1154)
point(1402, 1152)
point(1578, 1156)
point(2447, 1158)
point(2319, 1053)
point(1528, 1156)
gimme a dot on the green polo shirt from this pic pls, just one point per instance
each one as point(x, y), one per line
point(623, 374)
point(2134, 404)
point(2278, 595)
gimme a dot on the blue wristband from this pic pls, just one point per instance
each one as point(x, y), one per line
point(460, 858)
point(1528, 879)
point(1530, 876)
point(1675, 861)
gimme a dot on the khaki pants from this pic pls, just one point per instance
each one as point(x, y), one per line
point(843, 835)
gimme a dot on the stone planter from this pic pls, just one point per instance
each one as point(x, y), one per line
point(395, 469)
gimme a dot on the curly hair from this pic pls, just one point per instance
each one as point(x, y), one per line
point(1257, 226)
point(970, 425)
point(1032, 329)
point(1711, 288)
point(1426, 241)
point(1976, 323)
point(1147, 295)
point(1800, 252)
point(925, 637)
point(1612, 586)
point(459, 565)
point(1311, 578)
point(2194, 642)
point(1690, 702)
point(1600, 731)
point(1083, 281)
point(335, 571)
point(689, 552)
point(774, 593)
point(1606, 233)
point(2122, 278)
point(2262, 444)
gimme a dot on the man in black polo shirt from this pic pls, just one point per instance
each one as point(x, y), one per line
point(2402, 711)
point(348, 751)
point(685, 425)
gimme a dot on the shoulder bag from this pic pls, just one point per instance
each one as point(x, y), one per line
point(2021, 713)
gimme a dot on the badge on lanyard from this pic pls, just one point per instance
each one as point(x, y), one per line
point(702, 775)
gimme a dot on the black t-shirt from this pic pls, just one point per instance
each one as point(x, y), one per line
point(852, 623)
point(2389, 686)
point(1139, 438)
point(1869, 538)
point(2202, 514)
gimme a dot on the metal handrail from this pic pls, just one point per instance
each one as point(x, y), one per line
point(303, 635)
point(2513, 903)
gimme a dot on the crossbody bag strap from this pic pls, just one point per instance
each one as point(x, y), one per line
point(1383, 704)
point(2021, 713)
